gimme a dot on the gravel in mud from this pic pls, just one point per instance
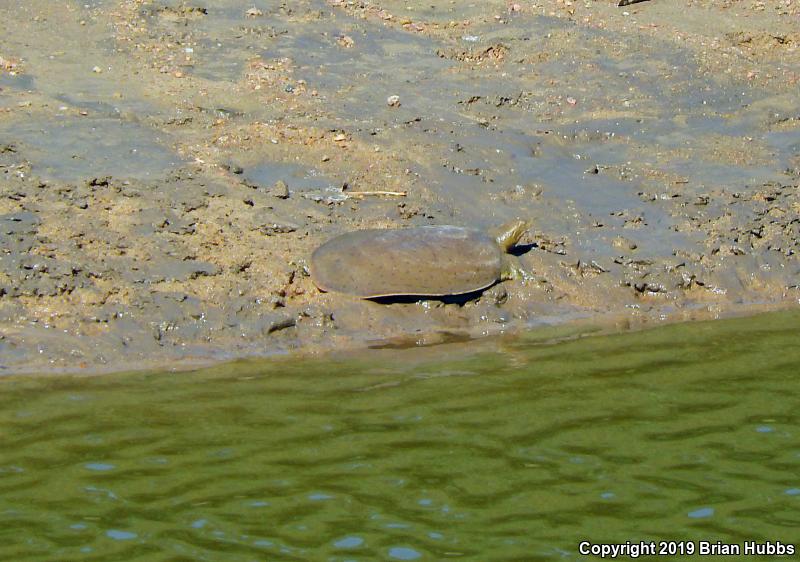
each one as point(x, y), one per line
point(167, 167)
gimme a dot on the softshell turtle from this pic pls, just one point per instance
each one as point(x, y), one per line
point(426, 261)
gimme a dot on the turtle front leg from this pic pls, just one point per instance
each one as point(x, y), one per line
point(512, 269)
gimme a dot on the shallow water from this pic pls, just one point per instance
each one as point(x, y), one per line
point(513, 450)
point(69, 150)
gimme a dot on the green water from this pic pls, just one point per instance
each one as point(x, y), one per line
point(518, 452)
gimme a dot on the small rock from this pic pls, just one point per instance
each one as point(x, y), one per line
point(345, 41)
point(498, 295)
point(393, 101)
point(232, 168)
point(254, 13)
point(624, 243)
point(104, 181)
point(271, 229)
point(281, 324)
point(97, 70)
point(280, 190)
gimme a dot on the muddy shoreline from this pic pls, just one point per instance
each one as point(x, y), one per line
point(167, 168)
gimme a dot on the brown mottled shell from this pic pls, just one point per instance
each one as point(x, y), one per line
point(423, 261)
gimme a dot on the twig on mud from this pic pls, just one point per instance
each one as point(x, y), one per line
point(376, 193)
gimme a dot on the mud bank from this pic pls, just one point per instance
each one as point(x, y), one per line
point(167, 168)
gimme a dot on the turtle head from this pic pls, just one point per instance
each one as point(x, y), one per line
point(510, 233)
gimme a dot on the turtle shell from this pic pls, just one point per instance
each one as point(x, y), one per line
point(422, 261)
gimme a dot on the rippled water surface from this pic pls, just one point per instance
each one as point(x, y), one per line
point(516, 451)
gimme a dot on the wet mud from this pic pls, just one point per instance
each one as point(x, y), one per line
point(167, 168)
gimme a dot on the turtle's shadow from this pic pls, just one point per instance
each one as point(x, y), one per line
point(460, 300)
point(522, 249)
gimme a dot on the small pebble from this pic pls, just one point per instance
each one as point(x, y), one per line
point(624, 243)
point(345, 41)
point(254, 13)
point(97, 70)
point(280, 190)
point(393, 101)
